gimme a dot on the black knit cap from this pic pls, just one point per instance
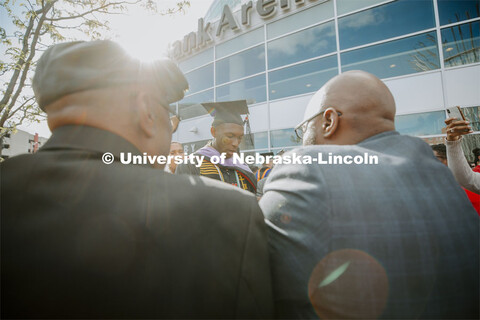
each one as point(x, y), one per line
point(72, 67)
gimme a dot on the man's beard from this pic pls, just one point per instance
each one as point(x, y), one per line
point(309, 136)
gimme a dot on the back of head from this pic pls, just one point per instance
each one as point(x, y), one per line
point(476, 156)
point(440, 148)
point(365, 105)
point(440, 152)
point(73, 67)
point(98, 84)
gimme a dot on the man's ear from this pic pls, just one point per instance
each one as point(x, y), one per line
point(212, 131)
point(330, 123)
point(146, 115)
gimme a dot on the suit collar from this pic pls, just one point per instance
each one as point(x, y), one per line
point(380, 136)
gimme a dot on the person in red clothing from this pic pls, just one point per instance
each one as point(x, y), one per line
point(476, 156)
point(475, 198)
point(440, 152)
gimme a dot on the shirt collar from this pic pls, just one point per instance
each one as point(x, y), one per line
point(89, 138)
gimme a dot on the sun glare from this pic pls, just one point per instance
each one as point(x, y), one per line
point(144, 35)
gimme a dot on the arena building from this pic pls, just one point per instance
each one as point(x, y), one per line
point(277, 53)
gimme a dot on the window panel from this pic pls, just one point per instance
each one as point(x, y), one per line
point(306, 44)
point(172, 107)
point(451, 11)
point(302, 78)
point(345, 6)
point(386, 21)
point(395, 58)
point(240, 43)
point(200, 79)
point(258, 140)
point(300, 20)
point(190, 106)
point(252, 89)
point(421, 124)
point(472, 114)
point(284, 138)
point(197, 60)
point(255, 166)
point(241, 65)
point(461, 44)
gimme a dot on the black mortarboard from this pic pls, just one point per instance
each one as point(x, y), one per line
point(265, 154)
point(227, 112)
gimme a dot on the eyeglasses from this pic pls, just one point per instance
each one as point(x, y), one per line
point(302, 127)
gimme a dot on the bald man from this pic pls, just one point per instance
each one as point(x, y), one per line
point(385, 232)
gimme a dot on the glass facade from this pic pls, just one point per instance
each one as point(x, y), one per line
point(346, 6)
point(302, 78)
point(197, 60)
point(461, 44)
point(421, 124)
point(297, 51)
point(300, 20)
point(200, 79)
point(395, 58)
point(386, 21)
point(190, 106)
point(255, 141)
point(240, 65)
point(451, 11)
point(303, 45)
point(472, 114)
point(284, 138)
point(237, 44)
point(252, 89)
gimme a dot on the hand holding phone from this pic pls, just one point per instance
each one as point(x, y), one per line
point(457, 125)
point(456, 113)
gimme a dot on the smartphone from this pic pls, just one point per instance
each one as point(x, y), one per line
point(456, 112)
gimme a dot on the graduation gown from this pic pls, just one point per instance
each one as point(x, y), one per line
point(230, 174)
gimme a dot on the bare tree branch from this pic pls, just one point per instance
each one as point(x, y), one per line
point(26, 66)
point(21, 106)
point(41, 24)
point(16, 73)
point(92, 11)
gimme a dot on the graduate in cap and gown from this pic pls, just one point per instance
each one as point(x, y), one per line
point(227, 131)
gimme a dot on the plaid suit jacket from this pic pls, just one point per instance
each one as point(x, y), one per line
point(397, 239)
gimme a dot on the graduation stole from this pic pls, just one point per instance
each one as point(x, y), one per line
point(213, 171)
point(262, 173)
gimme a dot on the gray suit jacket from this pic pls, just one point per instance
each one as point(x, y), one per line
point(394, 240)
point(83, 239)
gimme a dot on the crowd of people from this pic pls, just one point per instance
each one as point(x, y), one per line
point(83, 238)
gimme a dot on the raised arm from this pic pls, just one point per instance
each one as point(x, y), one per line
point(456, 160)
